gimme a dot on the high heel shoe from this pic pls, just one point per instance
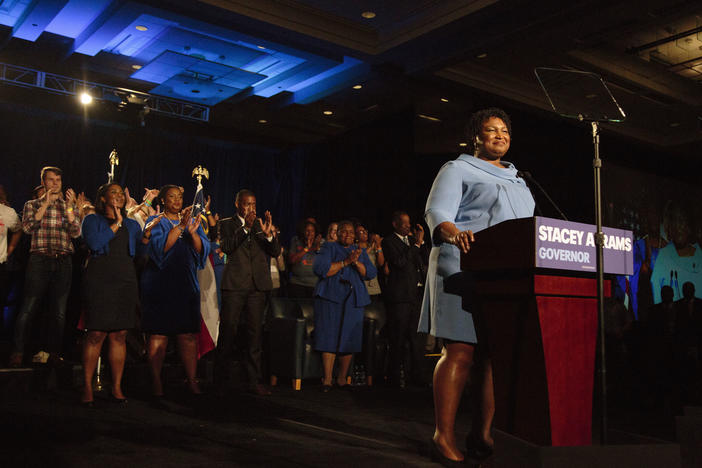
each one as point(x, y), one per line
point(477, 448)
point(118, 401)
point(443, 460)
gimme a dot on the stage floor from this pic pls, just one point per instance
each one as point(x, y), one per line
point(365, 427)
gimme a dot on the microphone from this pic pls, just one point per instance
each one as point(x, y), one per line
point(527, 177)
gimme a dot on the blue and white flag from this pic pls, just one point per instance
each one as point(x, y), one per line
point(199, 202)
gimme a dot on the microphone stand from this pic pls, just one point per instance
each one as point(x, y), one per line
point(599, 243)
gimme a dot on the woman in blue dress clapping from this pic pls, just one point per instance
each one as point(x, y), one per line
point(170, 291)
point(339, 299)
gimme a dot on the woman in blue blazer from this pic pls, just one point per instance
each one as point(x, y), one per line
point(339, 299)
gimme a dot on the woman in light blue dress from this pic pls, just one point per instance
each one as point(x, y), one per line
point(469, 194)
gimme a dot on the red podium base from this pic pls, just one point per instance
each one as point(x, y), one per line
point(542, 332)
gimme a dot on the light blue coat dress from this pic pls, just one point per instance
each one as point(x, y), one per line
point(474, 195)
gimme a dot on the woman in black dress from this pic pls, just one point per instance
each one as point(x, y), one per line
point(109, 285)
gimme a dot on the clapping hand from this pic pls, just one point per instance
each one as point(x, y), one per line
point(130, 201)
point(249, 219)
point(193, 225)
point(185, 216)
point(152, 223)
point(267, 224)
point(149, 194)
point(70, 197)
point(82, 201)
point(317, 242)
point(376, 241)
point(118, 212)
point(353, 256)
point(419, 233)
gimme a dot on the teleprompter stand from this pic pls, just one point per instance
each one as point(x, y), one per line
point(584, 96)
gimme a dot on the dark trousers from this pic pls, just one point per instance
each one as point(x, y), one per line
point(403, 318)
point(298, 291)
point(50, 277)
point(253, 303)
point(4, 292)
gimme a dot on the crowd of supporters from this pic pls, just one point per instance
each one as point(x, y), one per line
point(78, 271)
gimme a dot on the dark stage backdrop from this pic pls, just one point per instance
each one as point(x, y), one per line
point(147, 158)
point(367, 174)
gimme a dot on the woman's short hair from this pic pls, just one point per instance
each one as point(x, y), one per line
point(478, 118)
point(302, 225)
point(345, 222)
point(164, 191)
point(100, 206)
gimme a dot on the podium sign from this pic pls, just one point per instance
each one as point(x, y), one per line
point(565, 245)
point(549, 244)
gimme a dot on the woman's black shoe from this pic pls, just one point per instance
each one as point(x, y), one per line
point(477, 448)
point(326, 388)
point(443, 460)
point(87, 404)
point(118, 401)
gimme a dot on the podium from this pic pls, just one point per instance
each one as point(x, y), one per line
point(535, 296)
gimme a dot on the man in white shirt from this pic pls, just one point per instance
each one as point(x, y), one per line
point(9, 223)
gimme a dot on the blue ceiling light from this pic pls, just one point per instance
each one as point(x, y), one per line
point(137, 35)
point(11, 12)
point(35, 19)
point(194, 79)
point(195, 89)
point(76, 16)
point(173, 49)
point(104, 28)
point(330, 82)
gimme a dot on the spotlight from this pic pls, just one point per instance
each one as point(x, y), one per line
point(327, 112)
point(142, 116)
point(122, 104)
point(86, 98)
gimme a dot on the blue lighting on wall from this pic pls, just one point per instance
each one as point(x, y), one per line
point(183, 58)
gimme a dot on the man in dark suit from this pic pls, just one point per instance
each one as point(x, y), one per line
point(249, 242)
point(406, 258)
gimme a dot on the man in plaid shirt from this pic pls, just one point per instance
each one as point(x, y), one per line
point(52, 222)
